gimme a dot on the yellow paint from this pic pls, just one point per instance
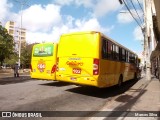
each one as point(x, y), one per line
point(43, 62)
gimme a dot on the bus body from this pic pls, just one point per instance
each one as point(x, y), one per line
point(91, 58)
point(43, 61)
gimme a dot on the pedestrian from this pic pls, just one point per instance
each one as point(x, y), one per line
point(16, 67)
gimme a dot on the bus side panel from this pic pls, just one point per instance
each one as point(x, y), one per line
point(110, 72)
point(132, 71)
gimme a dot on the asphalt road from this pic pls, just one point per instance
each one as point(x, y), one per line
point(25, 94)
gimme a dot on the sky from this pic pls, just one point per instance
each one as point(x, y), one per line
point(47, 20)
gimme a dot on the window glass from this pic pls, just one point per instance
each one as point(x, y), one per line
point(120, 54)
point(133, 57)
point(113, 51)
point(117, 52)
point(123, 55)
point(127, 56)
point(104, 48)
point(109, 50)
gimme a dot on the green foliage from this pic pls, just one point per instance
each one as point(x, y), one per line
point(12, 59)
point(26, 55)
point(7, 54)
point(6, 44)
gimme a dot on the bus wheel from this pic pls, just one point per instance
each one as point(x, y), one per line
point(120, 81)
point(135, 76)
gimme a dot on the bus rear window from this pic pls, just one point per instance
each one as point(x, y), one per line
point(43, 50)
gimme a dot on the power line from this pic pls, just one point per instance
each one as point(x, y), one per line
point(140, 5)
point(24, 3)
point(135, 10)
point(132, 14)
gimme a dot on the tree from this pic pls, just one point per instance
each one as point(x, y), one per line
point(12, 59)
point(26, 55)
point(6, 44)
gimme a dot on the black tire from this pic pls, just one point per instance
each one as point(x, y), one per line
point(135, 76)
point(120, 81)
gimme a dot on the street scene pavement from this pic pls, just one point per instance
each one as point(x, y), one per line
point(142, 96)
point(7, 76)
point(25, 94)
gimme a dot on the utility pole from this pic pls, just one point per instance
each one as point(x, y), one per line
point(145, 33)
point(22, 3)
point(146, 44)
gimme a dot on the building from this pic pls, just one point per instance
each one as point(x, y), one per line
point(19, 34)
point(151, 31)
point(155, 54)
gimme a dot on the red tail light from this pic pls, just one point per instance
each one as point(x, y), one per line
point(95, 66)
point(31, 68)
point(57, 64)
point(53, 69)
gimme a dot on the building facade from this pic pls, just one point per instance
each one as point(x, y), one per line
point(19, 34)
point(155, 53)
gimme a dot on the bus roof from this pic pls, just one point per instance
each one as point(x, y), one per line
point(44, 43)
point(117, 43)
point(92, 32)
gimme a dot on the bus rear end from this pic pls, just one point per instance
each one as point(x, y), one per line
point(78, 58)
point(43, 62)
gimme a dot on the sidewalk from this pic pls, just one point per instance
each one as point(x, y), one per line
point(9, 73)
point(11, 70)
point(143, 96)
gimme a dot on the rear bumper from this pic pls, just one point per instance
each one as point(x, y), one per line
point(81, 80)
point(43, 76)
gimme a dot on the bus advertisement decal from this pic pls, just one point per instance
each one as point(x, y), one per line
point(41, 65)
point(74, 63)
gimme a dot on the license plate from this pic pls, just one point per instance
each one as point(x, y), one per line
point(76, 71)
point(73, 78)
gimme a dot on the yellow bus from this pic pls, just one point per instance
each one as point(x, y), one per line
point(91, 58)
point(43, 61)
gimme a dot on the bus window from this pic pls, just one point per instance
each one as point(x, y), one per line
point(104, 49)
point(116, 52)
point(127, 56)
point(120, 54)
point(134, 58)
point(123, 55)
point(131, 58)
point(109, 49)
point(113, 52)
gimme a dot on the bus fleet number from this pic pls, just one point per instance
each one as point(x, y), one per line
point(76, 71)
